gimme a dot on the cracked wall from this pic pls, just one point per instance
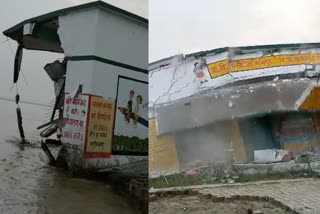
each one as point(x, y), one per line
point(174, 83)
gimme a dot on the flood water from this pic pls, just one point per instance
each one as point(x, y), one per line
point(29, 185)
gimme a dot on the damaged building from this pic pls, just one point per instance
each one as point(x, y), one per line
point(101, 85)
point(256, 104)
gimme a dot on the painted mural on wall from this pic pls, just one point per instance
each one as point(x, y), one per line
point(99, 135)
point(297, 131)
point(199, 70)
point(75, 116)
point(131, 123)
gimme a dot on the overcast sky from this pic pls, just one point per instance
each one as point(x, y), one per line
point(180, 26)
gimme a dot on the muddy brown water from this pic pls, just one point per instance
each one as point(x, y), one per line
point(29, 185)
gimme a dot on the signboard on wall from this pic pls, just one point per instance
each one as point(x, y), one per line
point(89, 122)
point(75, 113)
point(99, 132)
point(131, 119)
point(225, 66)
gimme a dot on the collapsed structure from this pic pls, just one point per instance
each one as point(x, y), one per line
point(231, 105)
point(100, 113)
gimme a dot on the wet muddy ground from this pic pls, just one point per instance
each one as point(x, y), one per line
point(29, 185)
point(197, 205)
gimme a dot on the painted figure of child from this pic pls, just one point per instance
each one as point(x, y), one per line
point(137, 109)
point(198, 71)
point(129, 107)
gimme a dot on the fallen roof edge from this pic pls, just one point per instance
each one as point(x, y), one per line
point(236, 48)
point(165, 61)
point(97, 4)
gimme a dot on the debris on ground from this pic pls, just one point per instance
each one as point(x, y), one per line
point(271, 156)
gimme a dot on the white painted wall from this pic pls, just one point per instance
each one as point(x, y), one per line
point(77, 32)
point(122, 39)
point(104, 34)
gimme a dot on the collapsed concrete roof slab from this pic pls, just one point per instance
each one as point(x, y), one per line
point(229, 103)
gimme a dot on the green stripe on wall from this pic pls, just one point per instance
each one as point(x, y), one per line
point(108, 61)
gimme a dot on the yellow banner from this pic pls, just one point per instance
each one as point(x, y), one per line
point(220, 68)
point(100, 128)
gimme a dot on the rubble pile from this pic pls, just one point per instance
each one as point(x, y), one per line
point(215, 173)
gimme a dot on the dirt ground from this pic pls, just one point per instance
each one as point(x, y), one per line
point(197, 205)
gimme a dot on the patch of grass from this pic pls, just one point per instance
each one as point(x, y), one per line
point(173, 181)
point(176, 180)
point(130, 144)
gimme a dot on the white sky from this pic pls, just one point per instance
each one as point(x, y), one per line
point(139, 7)
point(185, 26)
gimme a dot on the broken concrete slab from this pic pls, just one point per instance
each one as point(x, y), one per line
point(269, 155)
point(212, 106)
